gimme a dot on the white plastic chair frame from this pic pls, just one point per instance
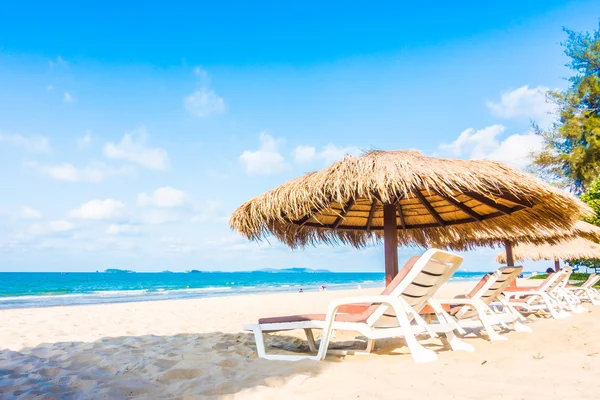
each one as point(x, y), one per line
point(477, 312)
point(407, 323)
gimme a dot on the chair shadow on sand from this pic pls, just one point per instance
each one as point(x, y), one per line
point(205, 364)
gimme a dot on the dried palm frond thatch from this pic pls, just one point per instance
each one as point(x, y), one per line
point(580, 229)
point(573, 249)
point(438, 202)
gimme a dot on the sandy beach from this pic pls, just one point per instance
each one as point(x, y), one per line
point(188, 349)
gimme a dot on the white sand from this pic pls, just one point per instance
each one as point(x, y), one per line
point(195, 349)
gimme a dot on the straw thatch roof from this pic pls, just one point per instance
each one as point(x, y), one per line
point(587, 231)
point(573, 249)
point(438, 201)
point(543, 236)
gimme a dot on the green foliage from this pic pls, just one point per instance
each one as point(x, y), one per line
point(539, 276)
point(571, 152)
point(590, 264)
point(592, 198)
point(575, 276)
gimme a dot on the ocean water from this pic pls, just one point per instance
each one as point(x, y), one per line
point(56, 289)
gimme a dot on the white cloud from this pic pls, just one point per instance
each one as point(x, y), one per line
point(209, 211)
point(164, 197)
point(203, 102)
point(68, 172)
point(177, 245)
point(49, 88)
point(33, 144)
point(476, 143)
point(180, 249)
point(58, 61)
point(329, 153)
point(304, 154)
point(265, 161)
point(98, 209)
point(201, 75)
point(29, 213)
point(32, 231)
point(60, 226)
point(122, 229)
point(85, 141)
point(516, 149)
point(37, 231)
point(132, 148)
point(68, 98)
point(484, 143)
point(108, 244)
point(525, 102)
point(158, 217)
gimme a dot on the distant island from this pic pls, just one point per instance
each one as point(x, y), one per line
point(195, 271)
point(118, 271)
point(293, 271)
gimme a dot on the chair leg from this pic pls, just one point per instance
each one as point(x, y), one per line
point(260, 342)
point(456, 344)
point(514, 311)
point(262, 353)
point(571, 305)
point(592, 296)
point(311, 340)
point(419, 353)
point(489, 329)
point(488, 321)
point(550, 305)
point(519, 327)
point(443, 316)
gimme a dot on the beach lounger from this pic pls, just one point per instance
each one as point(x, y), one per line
point(475, 311)
point(587, 292)
point(532, 300)
point(393, 314)
point(566, 298)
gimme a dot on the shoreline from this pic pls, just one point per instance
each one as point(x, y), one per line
point(140, 293)
point(32, 319)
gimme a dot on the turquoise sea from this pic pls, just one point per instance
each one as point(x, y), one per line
point(43, 289)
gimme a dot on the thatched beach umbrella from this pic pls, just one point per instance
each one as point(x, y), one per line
point(545, 236)
point(580, 229)
point(406, 198)
point(570, 249)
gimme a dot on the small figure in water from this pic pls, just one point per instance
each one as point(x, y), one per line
point(323, 288)
point(300, 291)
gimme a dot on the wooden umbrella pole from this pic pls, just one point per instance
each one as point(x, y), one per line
point(510, 261)
point(390, 242)
point(556, 265)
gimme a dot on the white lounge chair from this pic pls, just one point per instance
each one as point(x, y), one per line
point(532, 300)
point(566, 298)
point(394, 314)
point(474, 311)
point(587, 292)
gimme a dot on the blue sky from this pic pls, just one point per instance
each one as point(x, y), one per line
point(129, 132)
